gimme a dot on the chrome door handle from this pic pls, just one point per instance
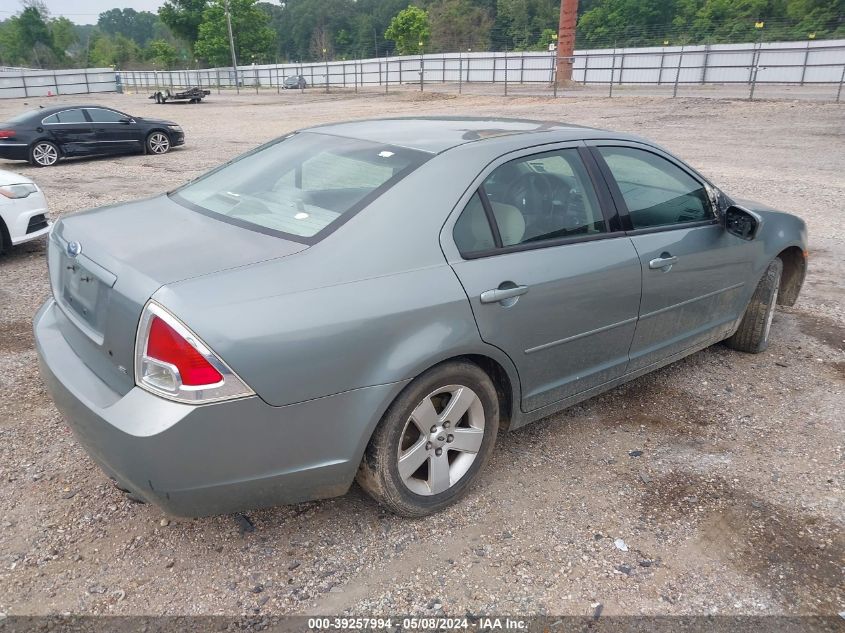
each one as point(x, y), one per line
point(500, 294)
point(662, 262)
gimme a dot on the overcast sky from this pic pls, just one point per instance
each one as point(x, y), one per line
point(82, 11)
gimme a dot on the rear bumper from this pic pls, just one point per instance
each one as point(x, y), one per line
point(211, 459)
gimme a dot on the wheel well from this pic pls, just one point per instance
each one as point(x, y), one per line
point(5, 237)
point(504, 388)
point(792, 278)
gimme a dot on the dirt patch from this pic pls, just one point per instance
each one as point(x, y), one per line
point(796, 557)
point(16, 336)
point(823, 329)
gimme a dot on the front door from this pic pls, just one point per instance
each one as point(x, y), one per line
point(548, 281)
point(115, 131)
point(693, 270)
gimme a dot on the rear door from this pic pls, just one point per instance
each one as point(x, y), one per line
point(693, 270)
point(71, 131)
point(115, 132)
point(551, 279)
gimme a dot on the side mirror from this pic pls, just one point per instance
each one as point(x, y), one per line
point(742, 222)
point(126, 120)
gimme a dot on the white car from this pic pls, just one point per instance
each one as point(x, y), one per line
point(23, 210)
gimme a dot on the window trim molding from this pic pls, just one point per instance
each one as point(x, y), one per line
point(533, 246)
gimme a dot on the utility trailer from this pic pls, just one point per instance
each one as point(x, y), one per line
point(193, 95)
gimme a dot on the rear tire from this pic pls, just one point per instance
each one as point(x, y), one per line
point(442, 428)
point(43, 154)
point(753, 333)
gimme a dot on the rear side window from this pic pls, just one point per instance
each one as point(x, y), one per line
point(301, 185)
point(71, 116)
point(656, 191)
point(543, 197)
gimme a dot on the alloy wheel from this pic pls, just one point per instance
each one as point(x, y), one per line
point(441, 439)
point(45, 154)
point(159, 143)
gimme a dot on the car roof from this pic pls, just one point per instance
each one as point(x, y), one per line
point(437, 134)
point(40, 113)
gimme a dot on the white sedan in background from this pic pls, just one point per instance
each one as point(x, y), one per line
point(23, 211)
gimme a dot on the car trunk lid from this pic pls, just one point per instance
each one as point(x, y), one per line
point(106, 263)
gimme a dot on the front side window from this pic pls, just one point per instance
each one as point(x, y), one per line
point(656, 191)
point(544, 197)
point(301, 185)
point(100, 115)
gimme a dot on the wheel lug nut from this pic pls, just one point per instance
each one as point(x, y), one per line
point(434, 429)
point(450, 438)
point(445, 425)
point(428, 446)
point(438, 452)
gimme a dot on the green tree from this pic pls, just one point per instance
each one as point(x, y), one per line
point(519, 23)
point(184, 17)
point(253, 38)
point(115, 51)
point(63, 34)
point(408, 29)
point(458, 25)
point(136, 25)
point(162, 54)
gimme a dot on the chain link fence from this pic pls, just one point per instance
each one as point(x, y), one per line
point(742, 68)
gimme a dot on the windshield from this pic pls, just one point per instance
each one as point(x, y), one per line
point(302, 186)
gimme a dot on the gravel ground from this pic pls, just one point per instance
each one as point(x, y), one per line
point(723, 473)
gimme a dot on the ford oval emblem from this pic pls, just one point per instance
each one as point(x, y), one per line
point(74, 249)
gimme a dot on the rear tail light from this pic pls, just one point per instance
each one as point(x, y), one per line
point(171, 361)
point(7, 134)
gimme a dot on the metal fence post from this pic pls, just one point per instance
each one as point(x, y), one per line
point(506, 73)
point(804, 66)
point(494, 68)
point(704, 64)
point(621, 66)
point(327, 76)
point(422, 71)
point(586, 67)
point(343, 70)
point(660, 72)
point(841, 81)
point(554, 75)
point(443, 76)
point(386, 74)
point(56, 83)
point(84, 74)
point(460, 72)
point(522, 68)
point(468, 60)
point(678, 72)
point(355, 74)
point(612, 73)
point(754, 77)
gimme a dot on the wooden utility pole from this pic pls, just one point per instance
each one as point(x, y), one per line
point(566, 41)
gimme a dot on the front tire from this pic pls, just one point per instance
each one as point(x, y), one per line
point(5, 239)
point(43, 154)
point(753, 333)
point(158, 143)
point(433, 440)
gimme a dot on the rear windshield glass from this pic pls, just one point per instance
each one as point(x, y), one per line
point(302, 186)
